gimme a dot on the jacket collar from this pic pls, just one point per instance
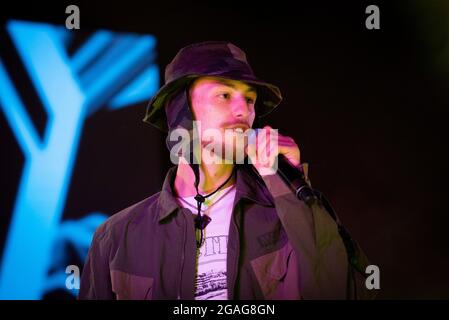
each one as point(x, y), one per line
point(249, 186)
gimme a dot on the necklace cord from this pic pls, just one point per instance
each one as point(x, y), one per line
point(201, 221)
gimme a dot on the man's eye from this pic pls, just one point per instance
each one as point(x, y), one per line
point(224, 95)
point(250, 100)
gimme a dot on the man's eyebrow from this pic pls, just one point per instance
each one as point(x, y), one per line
point(230, 84)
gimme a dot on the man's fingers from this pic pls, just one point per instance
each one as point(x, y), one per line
point(266, 144)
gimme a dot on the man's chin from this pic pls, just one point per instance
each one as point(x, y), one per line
point(234, 153)
point(229, 154)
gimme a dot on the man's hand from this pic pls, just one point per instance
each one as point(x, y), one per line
point(263, 150)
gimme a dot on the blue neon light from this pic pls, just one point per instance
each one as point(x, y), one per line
point(110, 70)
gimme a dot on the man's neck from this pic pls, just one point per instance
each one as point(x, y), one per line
point(211, 177)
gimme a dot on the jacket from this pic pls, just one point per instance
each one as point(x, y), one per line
point(278, 248)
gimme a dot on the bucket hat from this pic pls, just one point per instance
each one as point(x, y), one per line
point(211, 58)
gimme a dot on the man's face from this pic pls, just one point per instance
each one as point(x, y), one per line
point(222, 104)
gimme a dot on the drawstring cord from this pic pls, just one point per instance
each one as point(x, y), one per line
point(201, 221)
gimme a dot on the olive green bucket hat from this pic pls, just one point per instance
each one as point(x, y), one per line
point(212, 58)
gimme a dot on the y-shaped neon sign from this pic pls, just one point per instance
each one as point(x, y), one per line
point(110, 70)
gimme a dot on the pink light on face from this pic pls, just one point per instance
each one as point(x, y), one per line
point(222, 103)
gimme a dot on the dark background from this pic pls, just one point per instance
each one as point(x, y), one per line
point(368, 109)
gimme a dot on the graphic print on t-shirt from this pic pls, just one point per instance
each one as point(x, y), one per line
point(211, 269)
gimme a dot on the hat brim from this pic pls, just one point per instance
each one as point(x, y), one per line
point(268, 96)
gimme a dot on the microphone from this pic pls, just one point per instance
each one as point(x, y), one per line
point(295, 179)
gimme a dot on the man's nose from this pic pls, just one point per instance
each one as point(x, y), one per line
point(241, 109)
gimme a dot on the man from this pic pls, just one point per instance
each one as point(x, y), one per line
point(222, 229)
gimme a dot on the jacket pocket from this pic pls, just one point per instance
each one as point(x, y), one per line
point(277, 274)
point(127, 286)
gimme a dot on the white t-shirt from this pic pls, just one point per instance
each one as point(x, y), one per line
point(210, 279)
